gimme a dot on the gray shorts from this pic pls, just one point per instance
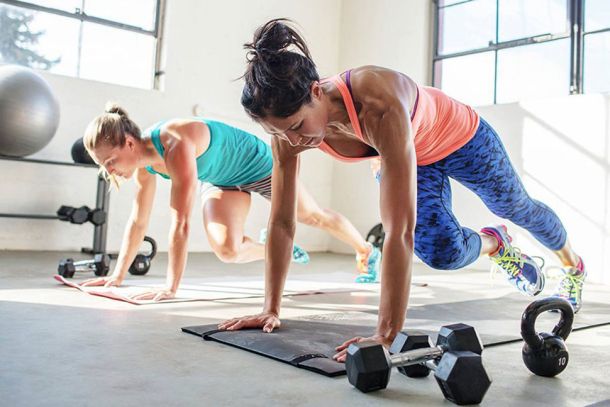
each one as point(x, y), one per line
point(261, 187)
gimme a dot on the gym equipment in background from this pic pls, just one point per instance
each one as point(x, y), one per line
point(81, 215)
point(456, 361)
point(65, 213)
point(546, 354)
point(100, 265)
point(102, 201)
point(376, 236)
point(80, 154)
point(29, 111)
point(71, 214)
point(141, 264)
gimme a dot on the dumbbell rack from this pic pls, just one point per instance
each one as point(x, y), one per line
point(101, 202)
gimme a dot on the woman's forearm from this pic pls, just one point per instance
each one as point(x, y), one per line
point(132, 238)
point(177, 255)
point(280, 239)
point(397, 266)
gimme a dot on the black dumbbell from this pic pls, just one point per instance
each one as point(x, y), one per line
point(455, 337)
point(97, 216)
point(100, 265)
point(141, 264)
point(70, 214)
point(546, 354)
point(460, 374)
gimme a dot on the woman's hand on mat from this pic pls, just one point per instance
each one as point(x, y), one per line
point(342, 349)
point(266, 320)
point(109, 281)
point(155, 295)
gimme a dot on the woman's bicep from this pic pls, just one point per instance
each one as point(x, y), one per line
point(146, 185)
point(181, 166)
point(395, 144)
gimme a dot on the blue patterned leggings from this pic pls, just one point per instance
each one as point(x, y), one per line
point(482, 166)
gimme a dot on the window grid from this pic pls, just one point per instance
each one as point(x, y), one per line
point(576, 34)
point(78, 14)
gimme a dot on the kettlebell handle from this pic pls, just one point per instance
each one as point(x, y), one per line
point(528, 320)
point(153, 247)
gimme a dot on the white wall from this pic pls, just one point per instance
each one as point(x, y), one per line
point(204, 56)
point(561, 148)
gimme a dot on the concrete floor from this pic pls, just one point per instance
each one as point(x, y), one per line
point(62, 347)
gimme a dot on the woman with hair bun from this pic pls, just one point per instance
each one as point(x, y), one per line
point(422, 138)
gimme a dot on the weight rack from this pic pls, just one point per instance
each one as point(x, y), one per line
point(101, 202)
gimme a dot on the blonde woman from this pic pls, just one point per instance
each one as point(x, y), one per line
point(228, 164)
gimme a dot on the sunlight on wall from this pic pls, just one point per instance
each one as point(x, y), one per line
point(566, 165)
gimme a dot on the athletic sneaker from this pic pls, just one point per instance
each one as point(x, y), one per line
point(521, 270)
point(368, 266)
point(299, 255)
point(570, 285)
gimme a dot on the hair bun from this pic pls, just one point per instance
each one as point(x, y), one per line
point(112, 107)
point(274, 38)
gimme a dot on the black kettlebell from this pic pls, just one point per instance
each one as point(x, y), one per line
point(376, 236)
point(546, 354)
point(141, 264)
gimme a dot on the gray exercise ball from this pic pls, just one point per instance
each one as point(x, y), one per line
point(29, 111)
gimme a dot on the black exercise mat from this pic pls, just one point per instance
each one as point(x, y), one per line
point(496, 318)
point(309, 341)
point(305, 344)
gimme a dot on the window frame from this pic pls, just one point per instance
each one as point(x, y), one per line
point(78, 14)
point(574, 31)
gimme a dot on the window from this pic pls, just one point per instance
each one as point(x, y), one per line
point(460, 73)
point(596, 56)
point(499, 51)
point(530, 71)
point(106, 40)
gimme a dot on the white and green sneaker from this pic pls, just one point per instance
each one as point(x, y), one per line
point(521, 270)
point(571, 284)
point(299, 255)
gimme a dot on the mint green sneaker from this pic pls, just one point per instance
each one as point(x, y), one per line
point(521, 270)
point(368, 266)
point(299, 255)
point(571, 284)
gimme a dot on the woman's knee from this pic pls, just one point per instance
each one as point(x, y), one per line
point(227, 252)
point(448, 255)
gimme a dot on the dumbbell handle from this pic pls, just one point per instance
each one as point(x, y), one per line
point(416, 356)
point(84, 263)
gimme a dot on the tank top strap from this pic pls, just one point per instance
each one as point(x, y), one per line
point(349, 104)
point(155, 137)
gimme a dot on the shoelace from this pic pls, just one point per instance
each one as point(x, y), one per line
point(570, 285)
point(513, 261)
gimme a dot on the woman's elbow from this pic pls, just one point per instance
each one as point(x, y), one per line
point(405, 235)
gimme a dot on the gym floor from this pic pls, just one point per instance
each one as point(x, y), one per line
point(61, 347)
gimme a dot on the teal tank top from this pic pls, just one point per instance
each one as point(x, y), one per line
point(234, 157)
